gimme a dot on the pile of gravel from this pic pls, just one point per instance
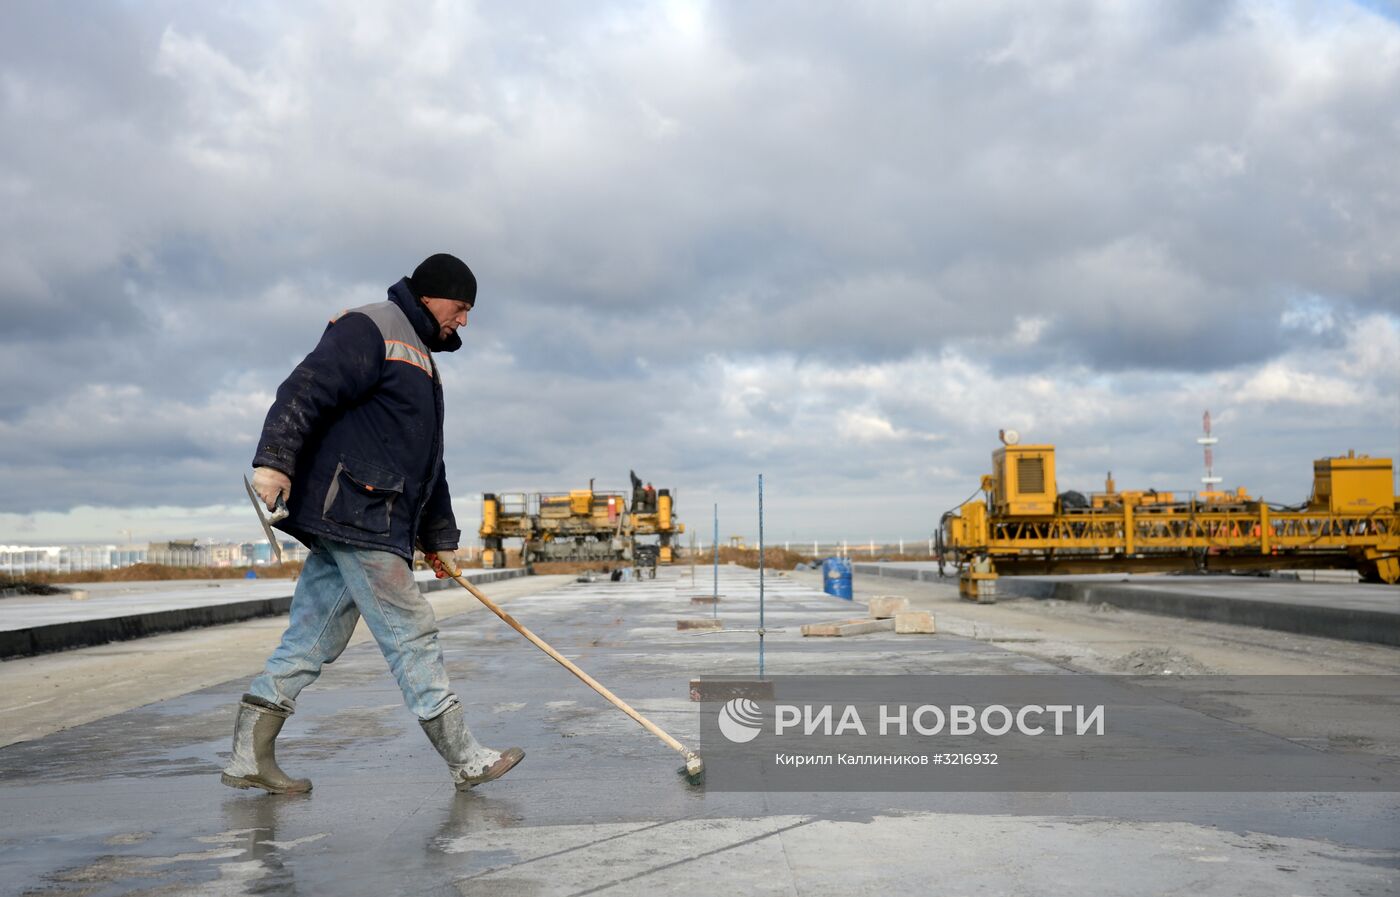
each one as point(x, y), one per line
point(1160, 662)
point(20, 587)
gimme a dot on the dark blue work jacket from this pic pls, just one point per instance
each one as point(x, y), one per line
point(358, 428)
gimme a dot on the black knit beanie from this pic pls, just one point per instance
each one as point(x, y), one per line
point(444, 276)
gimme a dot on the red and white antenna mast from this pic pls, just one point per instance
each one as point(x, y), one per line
point(1208, 441)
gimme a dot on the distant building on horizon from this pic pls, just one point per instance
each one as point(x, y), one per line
point(18, 560)
point(177, 553)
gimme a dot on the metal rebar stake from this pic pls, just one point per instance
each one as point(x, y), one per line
point(760, 576)
point(714, 606)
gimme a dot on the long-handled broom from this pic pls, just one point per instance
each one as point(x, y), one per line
point(694, 769)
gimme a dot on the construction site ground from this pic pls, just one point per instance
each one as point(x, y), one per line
point(110, 774)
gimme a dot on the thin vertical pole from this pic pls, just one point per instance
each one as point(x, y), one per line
point(714, 607)
point(760, 576)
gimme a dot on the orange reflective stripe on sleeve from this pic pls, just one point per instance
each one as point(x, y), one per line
point(395, 350)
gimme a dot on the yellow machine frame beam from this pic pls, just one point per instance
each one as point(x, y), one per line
point(1130, 531)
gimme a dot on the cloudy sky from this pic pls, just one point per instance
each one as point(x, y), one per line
point(840, 244)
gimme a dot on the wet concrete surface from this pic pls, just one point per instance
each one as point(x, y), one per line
point(132, 804)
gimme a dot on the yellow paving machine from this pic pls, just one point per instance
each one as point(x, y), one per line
point(1022, 525)
point(581, 525)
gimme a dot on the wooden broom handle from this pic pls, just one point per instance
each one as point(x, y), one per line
point(563, 661)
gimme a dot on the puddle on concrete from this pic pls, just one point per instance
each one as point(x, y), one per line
point(126, 838)
point(475, 862)
point(297, 842)
point(232, 836)
point(238, 861)
point(113, 868)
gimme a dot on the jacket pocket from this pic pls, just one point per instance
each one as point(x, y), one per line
point(362, 496)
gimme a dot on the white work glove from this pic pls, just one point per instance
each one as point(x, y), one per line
point(271, 484)
point(440, 559)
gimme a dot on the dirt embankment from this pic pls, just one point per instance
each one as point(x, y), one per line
point(160, 572)
point(150, 572)
point(11, 588)
point(773, 558)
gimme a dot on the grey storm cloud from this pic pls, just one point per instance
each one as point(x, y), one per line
point(710, 236)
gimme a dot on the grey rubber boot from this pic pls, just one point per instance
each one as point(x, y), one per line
point(469, 761)
point(254, 761)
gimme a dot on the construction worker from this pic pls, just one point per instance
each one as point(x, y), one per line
point(353, 446)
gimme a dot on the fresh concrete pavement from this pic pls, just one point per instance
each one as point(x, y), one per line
point(130, 802)
point(50, 692)
point(1098, 636)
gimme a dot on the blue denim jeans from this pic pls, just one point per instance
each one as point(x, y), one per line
point(339, 584)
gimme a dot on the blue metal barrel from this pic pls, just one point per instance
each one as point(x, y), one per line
point(836, 577)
